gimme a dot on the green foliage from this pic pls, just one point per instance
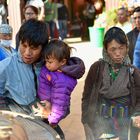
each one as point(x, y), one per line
point(111, 17)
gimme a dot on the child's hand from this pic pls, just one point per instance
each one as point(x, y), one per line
point(41, 111)
point(46, 104)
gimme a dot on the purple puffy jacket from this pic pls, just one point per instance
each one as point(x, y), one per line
point(56, 87)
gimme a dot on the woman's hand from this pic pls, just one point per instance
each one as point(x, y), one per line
point(136, 121)
point(42, 110)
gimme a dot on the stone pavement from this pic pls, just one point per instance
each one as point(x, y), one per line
point(72, 125)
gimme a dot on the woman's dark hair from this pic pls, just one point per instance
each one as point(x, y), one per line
point(34, 32)
point(137, 9)
point(35, 9)
point(58, 49)
point(116, 34)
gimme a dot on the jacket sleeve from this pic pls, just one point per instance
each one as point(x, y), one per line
point(44, 90)
point(61, 99)
point(132, 38)
point(136, 96)
point(2, 54)
point(3, 77)
point(88, 88)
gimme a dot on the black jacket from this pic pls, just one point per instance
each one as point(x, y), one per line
point(132, 38)
point(92, 85)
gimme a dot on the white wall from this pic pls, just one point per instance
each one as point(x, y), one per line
point(14, 16)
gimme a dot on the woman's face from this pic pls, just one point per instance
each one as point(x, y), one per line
point(30, 14)
point(116, 51)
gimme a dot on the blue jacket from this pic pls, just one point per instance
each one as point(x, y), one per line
point(5, 53)
point(17, 80)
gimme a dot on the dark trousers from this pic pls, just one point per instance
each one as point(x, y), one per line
point(51, 28)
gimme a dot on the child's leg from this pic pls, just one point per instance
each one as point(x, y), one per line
point(57, 129)
point(60, 132)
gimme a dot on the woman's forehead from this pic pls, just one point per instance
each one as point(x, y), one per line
point(115, 44)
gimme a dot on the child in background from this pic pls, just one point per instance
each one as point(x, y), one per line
point(57, 80)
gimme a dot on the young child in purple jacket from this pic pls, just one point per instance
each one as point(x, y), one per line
point(57, 80)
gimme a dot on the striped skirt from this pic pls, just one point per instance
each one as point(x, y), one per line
point(112, 118)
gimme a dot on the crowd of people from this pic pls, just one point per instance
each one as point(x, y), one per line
point(38, 77)
point(50, 12)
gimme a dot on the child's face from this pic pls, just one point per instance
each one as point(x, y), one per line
point(53, 64)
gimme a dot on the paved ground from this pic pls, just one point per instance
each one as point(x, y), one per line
point(71, 125)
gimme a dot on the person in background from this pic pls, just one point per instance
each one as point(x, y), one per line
point(57, 80)
point(134, 39)
point(89, 14)
point(30, 12)
point(133, 3)
point(39, 4)
point(6, 41)
point(123, 21)
point(111, 92)
point(63, 17)
point(51, 16)
point(3, 13)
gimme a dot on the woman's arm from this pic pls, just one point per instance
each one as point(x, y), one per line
point(88, 87)
point(136, 77)
point(136, 97)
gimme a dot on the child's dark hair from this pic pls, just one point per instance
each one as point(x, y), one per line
point(116, 34)
point(58, 49)
point(137, 9)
